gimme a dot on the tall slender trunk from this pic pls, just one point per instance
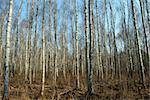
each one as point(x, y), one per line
point(27, 47)
point(138, 47)
point(43, 49)
point(1, 69)
point(86, 42)
point(22, 48)
point(128, 45)
point(77, 46)
point(104, 41)
point(148, 18)
point(72, 31)
point(30, 42)
point(90, 89)
point(35, 41)
point(15, 46)
point(144, 31)
point(50, 33)
point(148, 14)
point(115, 56)
point(99, 57)
point(55, 51)
point(7, 52)
point(64, 40)
point(110, 47)
point(1, 47)
point(16, 40)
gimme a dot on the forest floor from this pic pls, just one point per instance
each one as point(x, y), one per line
point(65, 90)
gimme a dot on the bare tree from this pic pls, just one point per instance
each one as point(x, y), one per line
point(55, 39)
point(77, 47)
point(90, 89)
point(27, 48)
point(43, 49)
point(35, 42)
point(86, 41)
point(148, 14)
point(144, 31)
point(16, 39)
point(7, 54)
point(99, 57)
point(115, 56)
point(138, 47)
point(3, 17)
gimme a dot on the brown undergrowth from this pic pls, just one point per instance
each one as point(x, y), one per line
point(66, 89)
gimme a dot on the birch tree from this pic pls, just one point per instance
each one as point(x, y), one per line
point(148, 13)
point(30, 41)
point(16, 39)
point(1, 47)
point(7, 52)
point(104, 40)
point(35, 41)
point(86, 42)
point(127, 40)
point(50, 33)
point(55, 40)
point(138, 46)
point(64, 39)
point(27, 47)
point(115, 55)
point(90, 89)
point(77, 47)
point(144, 31)
point(99, 57)
point(43, 49)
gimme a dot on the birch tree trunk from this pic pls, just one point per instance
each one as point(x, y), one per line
point(15, 46)
point(73, 46)
point(27, 47)
point(16, 40)
point(50, 28)
point(99, 57)
point(64, 40)
point(1, 69)
point(86, 42)
point(55, 50)
point(138, 43)
point(90, 89)
point(128, 44)
point(77, 47)
point(1, 47)
point(148, 14)
point(22, 48)
point(144, 31)
point(110, 47)
point(105, 65)
point(7, 54)
point(30, 42)
point(43, 49)
point(115, 55)
point(148, 18)
point(35, 42)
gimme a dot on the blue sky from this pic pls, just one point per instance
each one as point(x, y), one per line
point(116, 11)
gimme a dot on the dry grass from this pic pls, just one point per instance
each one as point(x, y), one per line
point(65, 89)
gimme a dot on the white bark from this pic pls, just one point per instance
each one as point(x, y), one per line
point(7, 54)
point(77, 46)
point(43, 50)
point(27, 47)
point(138, 42)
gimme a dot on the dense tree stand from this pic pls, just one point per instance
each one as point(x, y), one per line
point(74, 50)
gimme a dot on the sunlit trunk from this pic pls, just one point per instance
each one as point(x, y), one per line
point(43, 49)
